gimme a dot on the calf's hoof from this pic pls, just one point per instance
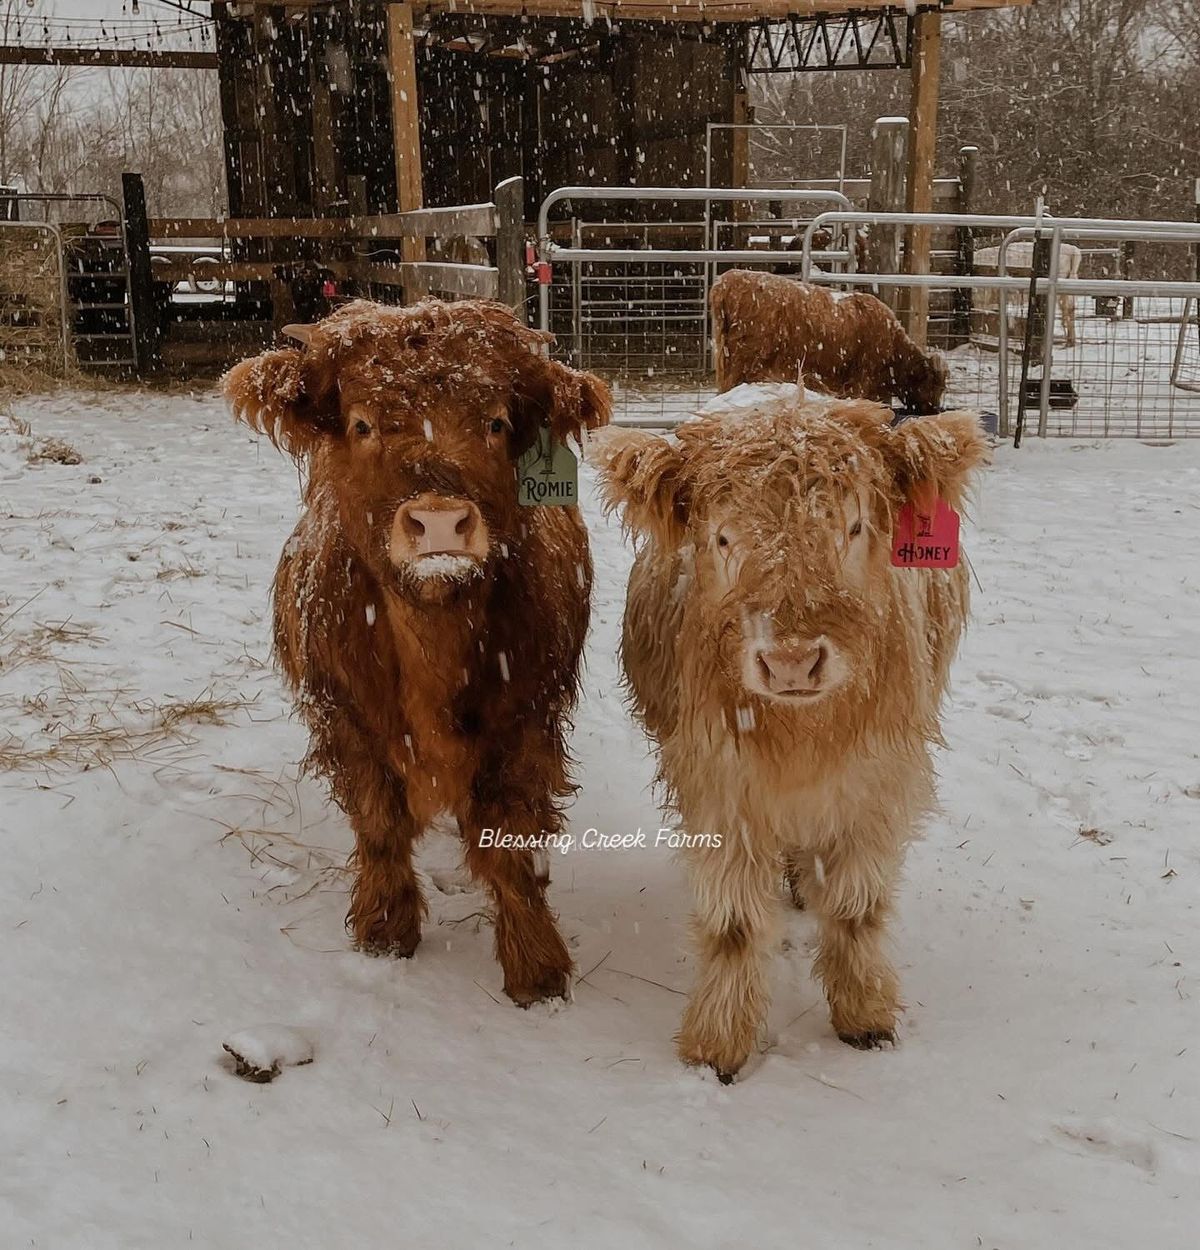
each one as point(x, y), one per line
point(551, 983)
point(384, 939)
point(870, 1039)
point(388, 950)
point(726, 1056)
point(725, 1076)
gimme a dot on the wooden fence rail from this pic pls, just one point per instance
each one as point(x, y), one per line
point(502, 221)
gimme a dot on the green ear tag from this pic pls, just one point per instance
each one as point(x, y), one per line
point(549, 474)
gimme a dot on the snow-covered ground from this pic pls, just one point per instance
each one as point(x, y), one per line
point(168, 882)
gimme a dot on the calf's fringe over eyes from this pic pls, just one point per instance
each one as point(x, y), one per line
point(289, 394)
point(274, 394)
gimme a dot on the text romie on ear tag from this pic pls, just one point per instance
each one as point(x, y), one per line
point(926, 535)
point(548, 474)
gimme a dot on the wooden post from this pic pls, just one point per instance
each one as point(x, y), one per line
point(743, 115)
point(965, 244)
point(327, 190)
point(147, 346)
point(922, 149)
point(1196, 246)
point(406, 120)
point(510, 243)
point(889, 140)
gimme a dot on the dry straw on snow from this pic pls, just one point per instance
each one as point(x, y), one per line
point(31, 303)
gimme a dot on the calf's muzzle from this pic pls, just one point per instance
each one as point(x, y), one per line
point(432, 525)
point(796, 668)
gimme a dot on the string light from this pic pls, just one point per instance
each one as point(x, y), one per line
point(114, 31)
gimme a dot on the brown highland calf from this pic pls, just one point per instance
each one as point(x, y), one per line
point(429, 626)
point(768, 328)
point(791, 679)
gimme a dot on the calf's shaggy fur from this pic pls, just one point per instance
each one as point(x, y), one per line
point(768, 328)
point(429, 626)
point(790, 679)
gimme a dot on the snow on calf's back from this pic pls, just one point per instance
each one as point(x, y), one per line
point(748, 396)
point(260, 1053)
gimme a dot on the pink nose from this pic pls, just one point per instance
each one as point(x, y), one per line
point(431, 525)
point(800, 668)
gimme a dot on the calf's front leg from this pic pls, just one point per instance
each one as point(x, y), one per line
point(386, 902)
point(734, 889)
point(852, 896)
point(529, 947)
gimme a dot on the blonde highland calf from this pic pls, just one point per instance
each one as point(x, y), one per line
point(791, 679)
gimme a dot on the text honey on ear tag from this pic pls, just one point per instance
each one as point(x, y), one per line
point(926, 539)
point(548, 474)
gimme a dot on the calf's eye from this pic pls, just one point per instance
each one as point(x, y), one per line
point(856, 529)
point(496, 426)
point(362, 428)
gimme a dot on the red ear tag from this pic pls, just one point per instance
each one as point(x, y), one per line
point(925, 536)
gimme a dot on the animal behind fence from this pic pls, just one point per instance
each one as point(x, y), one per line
point(768, 328)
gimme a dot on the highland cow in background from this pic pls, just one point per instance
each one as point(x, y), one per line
point(768, 328)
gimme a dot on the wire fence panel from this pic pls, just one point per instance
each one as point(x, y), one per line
point(1120, 373)
point(1114, 349)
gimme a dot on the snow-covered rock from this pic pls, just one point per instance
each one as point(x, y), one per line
point(260, 1053)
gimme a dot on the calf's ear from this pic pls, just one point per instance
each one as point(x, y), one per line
point(943, 449)
point(568, 400)
point(285, 395)
point(642, 474)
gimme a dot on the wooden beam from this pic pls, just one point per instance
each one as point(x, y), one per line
point(470, 220)
point(688, 11)
point(218, 271)
point(922, 151)
point(406, 117)
point(90, 58)
point(477, 281)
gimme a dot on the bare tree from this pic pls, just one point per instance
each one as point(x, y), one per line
point(1095, 103)
point(65, 130)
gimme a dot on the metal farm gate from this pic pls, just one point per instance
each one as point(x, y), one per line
point(630, 298)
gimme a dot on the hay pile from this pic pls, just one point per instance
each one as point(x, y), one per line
point(31, 311)
point(18, 440)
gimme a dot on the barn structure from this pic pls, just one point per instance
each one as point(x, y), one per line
point(347, 121)
point(369, 106)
